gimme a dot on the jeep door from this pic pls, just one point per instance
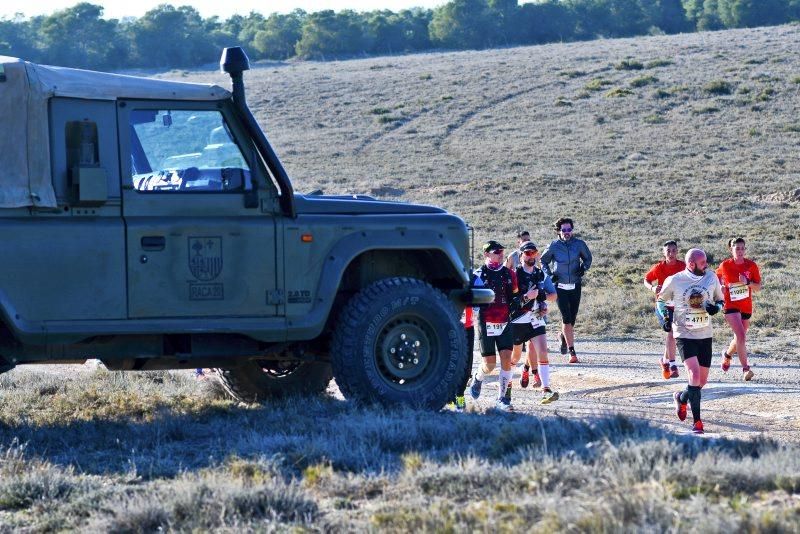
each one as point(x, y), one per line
point(200, 214)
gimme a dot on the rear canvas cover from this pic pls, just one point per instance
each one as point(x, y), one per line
point(25, 88)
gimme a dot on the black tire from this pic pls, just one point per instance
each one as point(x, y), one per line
point(260, 381)
point(427, 365)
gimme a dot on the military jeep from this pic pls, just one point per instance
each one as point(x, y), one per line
point(149, 224)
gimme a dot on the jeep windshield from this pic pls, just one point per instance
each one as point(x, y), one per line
point(184, 150)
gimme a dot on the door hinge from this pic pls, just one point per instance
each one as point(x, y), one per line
point(274, 297)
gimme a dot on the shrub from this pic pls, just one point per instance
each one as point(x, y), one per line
point(619, 92)
point(658, 63)
point(718, 87)
point(379, 111)
point(629, 64)
point(597, 84)
point(655, 118)
point(641, 81)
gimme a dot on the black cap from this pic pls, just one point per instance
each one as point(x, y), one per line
point(492, 246)
point(528, 245)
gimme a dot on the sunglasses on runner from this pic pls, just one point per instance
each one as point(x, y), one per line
point(567, 230)
point(531, 252)
point(498, 251)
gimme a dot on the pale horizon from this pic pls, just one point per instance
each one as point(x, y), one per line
point(117, 9)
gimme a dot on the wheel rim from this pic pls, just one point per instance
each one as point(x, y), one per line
point(404, 350)
point(278, 369)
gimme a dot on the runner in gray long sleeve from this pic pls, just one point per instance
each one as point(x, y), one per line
point(697, 295)
point(565, 261)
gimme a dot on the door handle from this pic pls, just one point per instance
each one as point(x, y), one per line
point(154, 242)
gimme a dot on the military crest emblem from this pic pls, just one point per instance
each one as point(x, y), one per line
point(205, 257)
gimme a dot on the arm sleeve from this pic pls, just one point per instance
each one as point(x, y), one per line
point(663, 297)
point(718, 297)
point(756, 274)
point(548, 285)
point(651, 275)
point(586, 256)
point(547, 257)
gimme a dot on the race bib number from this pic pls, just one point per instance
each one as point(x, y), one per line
point(537, 321)
point(495, 329)
point(697, 319)
point(738, 292)
point(568, 287)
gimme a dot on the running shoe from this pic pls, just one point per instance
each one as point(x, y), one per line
point(537, 380)
point(563, 343)
point(665, 372)
point(673, 371)
point(748, 374)
point(503, 405)
point(680, 407)
point(548, 396)
point(726, 362)
point(525, 379)
point(460, 404)
point(475, 388)
point(697, 428)
point(573, 358)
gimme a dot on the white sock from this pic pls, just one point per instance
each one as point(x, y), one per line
point(479, 374)
point(544, 373)
point(505, 378)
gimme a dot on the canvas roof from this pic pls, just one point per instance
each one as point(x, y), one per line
point(25, 88)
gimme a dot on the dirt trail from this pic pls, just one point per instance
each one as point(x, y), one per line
point(623, 377)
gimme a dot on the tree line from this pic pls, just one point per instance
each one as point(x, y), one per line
point(178, 37)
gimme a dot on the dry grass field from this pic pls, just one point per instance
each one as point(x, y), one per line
point(694, 137)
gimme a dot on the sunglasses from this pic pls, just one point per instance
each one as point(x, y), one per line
point(567, 230)
point(531, 252)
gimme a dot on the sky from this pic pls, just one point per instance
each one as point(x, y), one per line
point(207, 8)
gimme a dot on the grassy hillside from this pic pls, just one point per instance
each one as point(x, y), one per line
point(694, 137)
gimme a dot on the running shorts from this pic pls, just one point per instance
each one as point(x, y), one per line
point(490, 345)
point(745, 316)
point(568, 302)
point(525, 331)
point(695, 348)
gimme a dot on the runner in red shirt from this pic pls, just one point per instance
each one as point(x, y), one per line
point(740, 278)
point(653, 281)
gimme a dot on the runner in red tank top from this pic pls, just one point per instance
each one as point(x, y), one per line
point(653, 281)
point(740, 278)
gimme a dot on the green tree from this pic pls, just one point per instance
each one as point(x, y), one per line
point(546, 22)
point(462, 24)
point(79, 37)
point(415, 24)
point(704, 14)
point(667, 15)
point(749, 13)
point(279, 35)
point(506, 21)
point(17, 39)
point(172, 37)
point(326, 33)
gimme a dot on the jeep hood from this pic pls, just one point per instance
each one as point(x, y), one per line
point(356, 205)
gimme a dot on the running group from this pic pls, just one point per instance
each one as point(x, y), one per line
point(686, 293)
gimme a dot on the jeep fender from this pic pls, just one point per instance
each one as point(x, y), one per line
point(353, 245)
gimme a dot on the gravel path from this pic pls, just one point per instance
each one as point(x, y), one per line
point(623, 377)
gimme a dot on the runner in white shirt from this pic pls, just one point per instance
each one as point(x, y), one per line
point(697, 295)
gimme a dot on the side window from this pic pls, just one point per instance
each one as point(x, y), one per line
point(185, 151)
